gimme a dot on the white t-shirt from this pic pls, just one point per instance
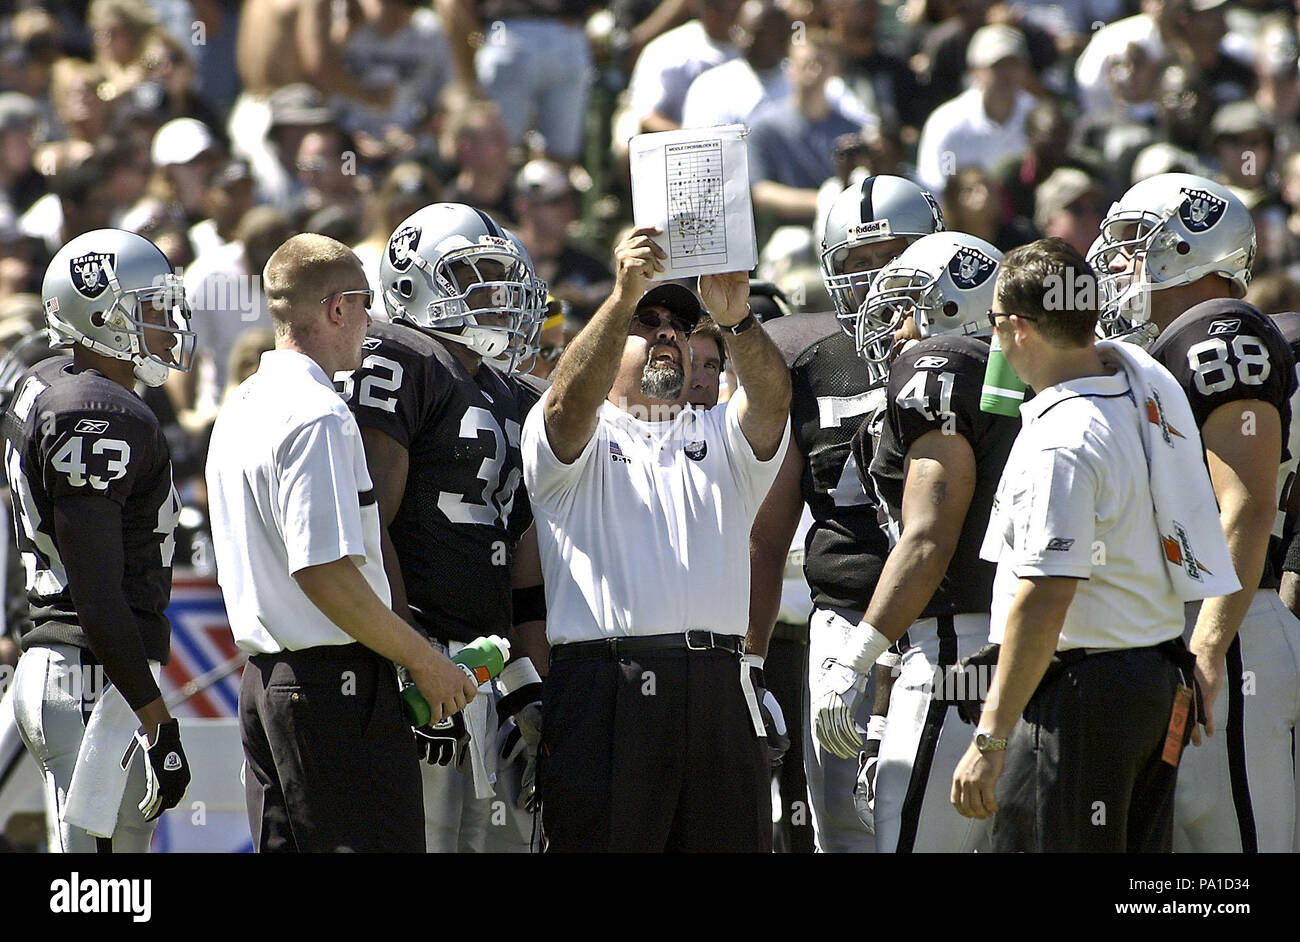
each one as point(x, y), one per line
point(961, 127)
point(1106, 45)
point(288, 489)
point(647, 531)
point(1075, 501)
point(667, 66)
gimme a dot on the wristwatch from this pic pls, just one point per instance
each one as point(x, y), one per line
point(986, 743)
point(733, 329)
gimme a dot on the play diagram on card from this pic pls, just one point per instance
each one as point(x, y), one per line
point(697, 226)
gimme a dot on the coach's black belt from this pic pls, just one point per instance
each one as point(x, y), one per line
point(617, 648)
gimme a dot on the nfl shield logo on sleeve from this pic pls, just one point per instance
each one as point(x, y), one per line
point(89, 274)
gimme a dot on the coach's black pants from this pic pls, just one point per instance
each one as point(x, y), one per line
point(653, 753)
point(1083, 770)
point(331, 764)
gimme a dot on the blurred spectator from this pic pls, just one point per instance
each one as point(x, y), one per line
point(227, 195)
point(22, 259)
point(1274, 293)
point(1047, 136)
point(973, 204)
point(1197, 42)
point(1184, 107)
point(985, 123)
point(210, 32)
point(86, 196)
point(120, 28)
point(731, 92)
point(792, 143)
point(545, 209)
point(559, 326)
point(20, 183)
point(27, 56)
point(669, 64)
point(185, 154)
point(1068, 22)
point(81, 112)
point(1242, 137)
point(1070, 205)
point(327, 176)
point(1151, 29)
point(224, 290)
point(295, 111)
point(881, 82)
point(396, 44)
point(1278, 83)
point(475, 139)
point(175, 244)
point(409, 186)
point(168, 67)
point(532, 59)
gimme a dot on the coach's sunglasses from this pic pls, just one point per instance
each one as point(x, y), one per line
point(368, 292)
point(652, 321)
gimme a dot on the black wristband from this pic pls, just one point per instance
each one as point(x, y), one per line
point(528, 604)
point(734, 329)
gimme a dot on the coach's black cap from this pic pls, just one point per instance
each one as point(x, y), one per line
point(677, 299)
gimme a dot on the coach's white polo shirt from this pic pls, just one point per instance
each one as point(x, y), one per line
point(647, 531)
point(288, 489)
point(1075, 500)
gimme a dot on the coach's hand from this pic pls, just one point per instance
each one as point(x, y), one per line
point(837, 689)
point(973, 782)
point(167, 771)
point(726, 297)
point(637, 261)
point(778, 736)
point(446, 688)
point(1209, 677)
point(444, 742)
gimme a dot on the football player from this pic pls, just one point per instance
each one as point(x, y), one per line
point(1175, 254)
point(441, 428)
point(935, 465)
point(869, 224)
point(95, 510)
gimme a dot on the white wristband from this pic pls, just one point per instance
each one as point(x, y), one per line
point(516, 674)
point(890, 660)
point(862, 648)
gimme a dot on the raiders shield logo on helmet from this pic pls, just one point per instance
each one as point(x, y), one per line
point(934, 210)
point(402, 245)
point(89, 276)
point(1201, 210)
point(970, 268)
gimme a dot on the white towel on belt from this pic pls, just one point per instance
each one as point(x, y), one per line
point(481, 722)
point(103, 763)
point(1195, 551)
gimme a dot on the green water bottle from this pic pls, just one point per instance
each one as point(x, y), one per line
point(1003, 390)
point(481, 660)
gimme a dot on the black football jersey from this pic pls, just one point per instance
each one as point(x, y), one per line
point(1224, 350)
point(74, 433)
point(463, 509)
point(1286, 556)
point(830, 398)
point(936, 385)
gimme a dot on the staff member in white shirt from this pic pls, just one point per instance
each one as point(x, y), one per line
point(1089, 622)
point(652, 735)
point(330, 762)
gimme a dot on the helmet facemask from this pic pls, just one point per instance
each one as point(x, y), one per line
point(903, 293)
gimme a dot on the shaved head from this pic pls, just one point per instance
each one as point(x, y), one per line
point(300, 272)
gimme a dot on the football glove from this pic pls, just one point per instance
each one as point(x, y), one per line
point(443, 743)
point(167, 771)
point(864, 789)
point(519, 731)
point(837, 690)
point(778, 737)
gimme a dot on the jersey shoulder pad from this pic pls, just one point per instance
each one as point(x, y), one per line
point(936, 384)
point(795, 333)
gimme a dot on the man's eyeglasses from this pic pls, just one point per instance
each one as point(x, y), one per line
point(994, 315)
point(369, 293)
point(653, 321)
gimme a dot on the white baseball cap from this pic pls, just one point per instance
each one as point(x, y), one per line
point(993, 43)
point(181, 140)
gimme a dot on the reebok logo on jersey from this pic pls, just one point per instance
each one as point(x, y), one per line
point(1225, 327)
point(867, 230)
point(931, 363)
point(1201, 210)
point(172, 763)
point(402, 246)
point(970, 268)
point(696, 450)
point(371, 343)
point(92, 426)
point(1060, 544)
point(89, 275)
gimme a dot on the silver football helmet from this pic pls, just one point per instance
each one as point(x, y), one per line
point(1172, 229)
point(450, 270)
point(114, 293)
point(943, 281)
point(876, 209)
point(536, 295)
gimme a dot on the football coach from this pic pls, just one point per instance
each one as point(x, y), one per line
point(296, 533)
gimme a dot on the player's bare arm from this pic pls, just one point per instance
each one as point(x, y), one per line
point(342, 594)
point(586, 370)
point(388, 463)
point(321, 56)
point(460, 20)
point(764, 397)
point(1033, 629)
point(1243, 470)
point(937, 493)
point(769, 545)
point(528, 638)
point(785, 202)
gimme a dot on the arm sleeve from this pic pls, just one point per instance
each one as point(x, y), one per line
point(318, 501)
point(88, 529)
point(549, 481)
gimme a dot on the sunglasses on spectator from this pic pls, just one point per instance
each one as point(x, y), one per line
point(313, 165)
point(369, 293)
point(652, 321)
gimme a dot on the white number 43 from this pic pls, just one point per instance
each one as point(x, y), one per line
point(69, 460)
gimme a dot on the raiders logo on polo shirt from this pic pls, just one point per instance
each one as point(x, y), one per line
point(696, 450)
point(1201, 210)
point(970, 267)
point(402, 246)
point(89, 276)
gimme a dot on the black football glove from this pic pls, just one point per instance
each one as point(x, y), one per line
point(519, 729)
point(166, 771)
point(778, 737)
point(444, 742)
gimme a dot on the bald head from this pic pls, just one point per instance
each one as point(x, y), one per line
point(300, 272)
